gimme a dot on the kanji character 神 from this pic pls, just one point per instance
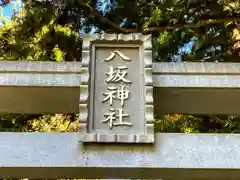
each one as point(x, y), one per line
point(113, 93)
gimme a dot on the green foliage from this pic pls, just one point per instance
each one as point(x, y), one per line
point(38, 123)
point(195, 124)
point(50, 30)
point(52, 123)
point(173, 23)
point(50, 41)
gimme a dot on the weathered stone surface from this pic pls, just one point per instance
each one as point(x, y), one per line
point(39, 87)
point(173, 156)
point(28, 73)
point(117, 82)
point(196, 75)
point(39, 66)
point(53, 87)
point(214, 86)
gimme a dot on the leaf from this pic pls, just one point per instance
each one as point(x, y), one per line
point(58, 54)
point(163, 37)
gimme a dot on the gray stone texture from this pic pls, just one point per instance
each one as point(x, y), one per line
point(39, 87)
point(133, 106)
point(173, 156)
point(214, 86)
point(32, 73)
point(39, 100)
point(196, 75)
point(138, 126)
point(53, 87)
point(56, 88)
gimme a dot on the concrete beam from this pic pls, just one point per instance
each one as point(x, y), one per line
point(39, 100)
point(196, 88)
point(174, 156)
point(40, 73)
point(39, 87)
point(53, 87)
point(196, 75)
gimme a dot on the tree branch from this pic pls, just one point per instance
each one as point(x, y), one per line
point(188, 26)
point(5, 2)
point(103, 19)
point(149, 30)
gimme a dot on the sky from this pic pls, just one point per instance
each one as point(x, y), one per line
point(7, 12)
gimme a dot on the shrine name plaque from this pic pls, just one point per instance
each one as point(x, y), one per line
point(116, 103)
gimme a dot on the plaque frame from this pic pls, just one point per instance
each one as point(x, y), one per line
point(144, 42)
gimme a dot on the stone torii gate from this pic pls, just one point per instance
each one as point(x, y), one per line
point(115, 89)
